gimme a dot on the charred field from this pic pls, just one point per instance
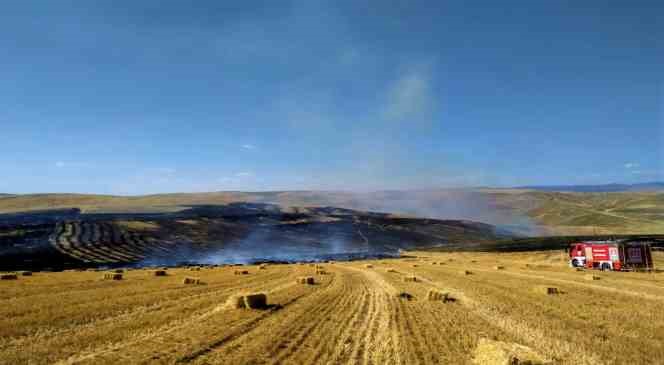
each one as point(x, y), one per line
point(233, 233)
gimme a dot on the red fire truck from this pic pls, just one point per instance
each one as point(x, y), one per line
point(611, 255)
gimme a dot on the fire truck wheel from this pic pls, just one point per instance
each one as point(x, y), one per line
point(575, 263)
point(606, 266)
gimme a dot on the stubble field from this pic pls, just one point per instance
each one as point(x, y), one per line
point(357, 312)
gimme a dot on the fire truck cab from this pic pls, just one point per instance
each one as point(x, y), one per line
point(611, 255)
point(595, 255)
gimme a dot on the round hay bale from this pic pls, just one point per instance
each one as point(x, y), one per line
point(368, 266)
point(499, 267)
point(241, 272)
point(25, 273)
point(321, 272)
point(159, 273)
point(466, 272)
point(262, 267)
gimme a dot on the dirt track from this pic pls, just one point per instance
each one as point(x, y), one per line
point(352, 315)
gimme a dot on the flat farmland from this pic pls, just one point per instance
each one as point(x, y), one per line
point(362, 312)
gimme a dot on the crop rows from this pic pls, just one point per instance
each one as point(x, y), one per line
point(102, 243)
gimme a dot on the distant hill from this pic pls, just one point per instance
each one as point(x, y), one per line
point(521, 211)
point(606, 188)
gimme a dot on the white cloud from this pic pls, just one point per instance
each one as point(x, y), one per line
point(248, 146)
point(631, 165)
point(410, 96)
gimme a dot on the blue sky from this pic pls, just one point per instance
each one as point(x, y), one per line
point(165, 96)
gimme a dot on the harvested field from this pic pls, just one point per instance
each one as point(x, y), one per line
point(353, 315)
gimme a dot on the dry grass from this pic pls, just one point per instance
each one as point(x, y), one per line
point(591, 277)
point(355, 315)
point(497, 352)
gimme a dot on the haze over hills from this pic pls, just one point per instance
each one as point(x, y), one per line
point(523, 211)
point(603, 188)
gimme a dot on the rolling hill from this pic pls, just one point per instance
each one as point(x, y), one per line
point(526, 212)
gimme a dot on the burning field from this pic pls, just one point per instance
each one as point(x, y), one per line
point(425, 308)
point(222, 234)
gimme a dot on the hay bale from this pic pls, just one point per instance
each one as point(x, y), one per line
point(241, 272)
point(195, 269)
point(434, 263)
point(466, 272)
point(25, 273)
point(248, 301)
point(592, 277)
point(499, 267)
point(416, 265)
point(368, 266)
point(497, 352)
point(112, 276)
point(437, 295)
point(548, 290)
point(193, 281)
point(255, 301)
point(406, 296)
point(262, 267)
point(159, 273)
point(321, 272)
point(473, 261)
point(411, 278)
point(307, 280)
point(9, 276)
point(389, 269)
